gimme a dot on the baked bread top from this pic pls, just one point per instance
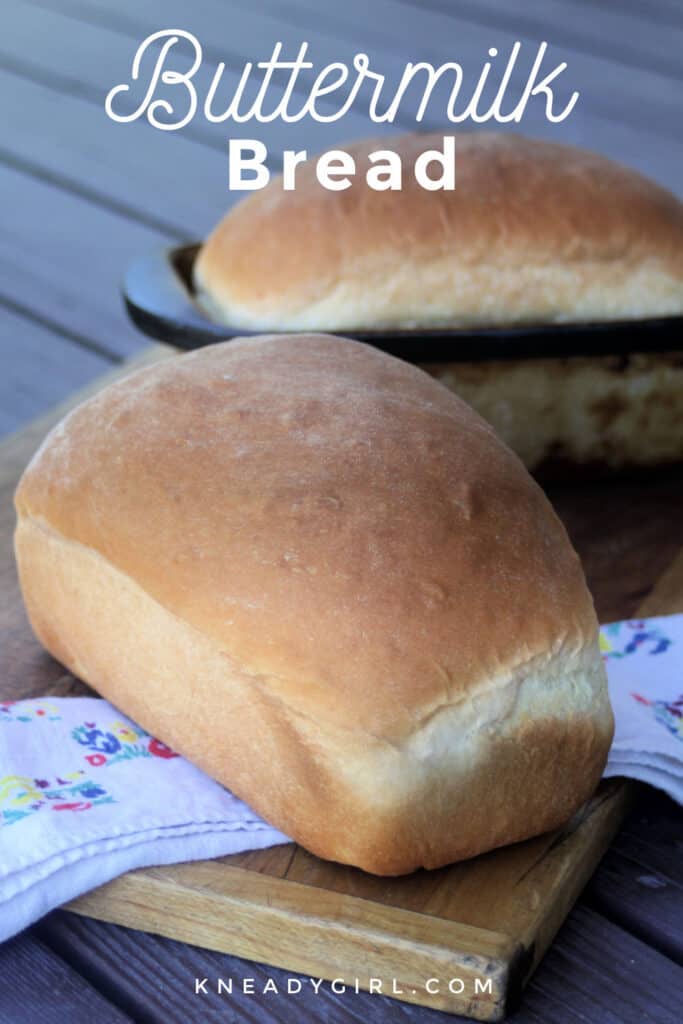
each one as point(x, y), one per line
point(534, 232)
point(333, 518)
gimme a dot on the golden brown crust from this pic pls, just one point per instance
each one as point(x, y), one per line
point(534, 232)
point(333, 559)
point(347, 796)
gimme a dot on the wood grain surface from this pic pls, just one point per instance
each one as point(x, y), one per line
point(492, 917)
point(22, 962)
point(594, 973)
point(64, 368)
point(639, 883)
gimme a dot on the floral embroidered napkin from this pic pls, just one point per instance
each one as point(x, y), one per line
point(644, 660)
point(86, 795)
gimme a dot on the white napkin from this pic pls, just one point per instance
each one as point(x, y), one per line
point(86, 795)
point(644, 660)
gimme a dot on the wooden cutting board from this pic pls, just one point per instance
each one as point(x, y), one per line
point(482, 925)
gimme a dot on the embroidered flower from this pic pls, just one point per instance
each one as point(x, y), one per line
point(119, 742)
point(667, 713)
point(620, 639)
point(95, 739)
point(160, 749)
point(28, 712)
point(21, 797)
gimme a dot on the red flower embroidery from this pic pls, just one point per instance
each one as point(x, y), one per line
point(159, 749)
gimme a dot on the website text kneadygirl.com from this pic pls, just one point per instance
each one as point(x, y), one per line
point(293, 985)
point(275, 89)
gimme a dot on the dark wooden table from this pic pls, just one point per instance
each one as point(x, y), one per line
point(81, 196)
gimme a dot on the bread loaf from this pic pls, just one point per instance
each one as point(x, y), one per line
point(579, 413)
point(319, 575)
point(534, 232)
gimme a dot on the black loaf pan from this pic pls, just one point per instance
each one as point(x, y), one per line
point(160, 300)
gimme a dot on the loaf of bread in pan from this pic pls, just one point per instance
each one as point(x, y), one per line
point(579, 413)
point(318, 574)
point(534, 232)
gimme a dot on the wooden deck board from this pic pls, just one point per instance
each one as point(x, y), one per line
point(143, 179)
point(653, 837)
point(109, 43)
point(454, 30)
point(638, 38)
point(646, 101)
point(644, 902)
point(594, 972)
point(62, 258)
point(38, 987)
point(39, 368)
point(124, 959)
point(639, 884)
